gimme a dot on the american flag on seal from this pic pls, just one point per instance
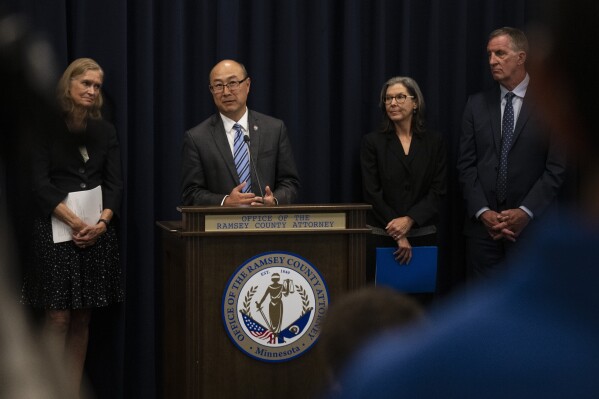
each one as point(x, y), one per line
point(258, 330)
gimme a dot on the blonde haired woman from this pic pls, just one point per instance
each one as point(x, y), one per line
point(68, 279)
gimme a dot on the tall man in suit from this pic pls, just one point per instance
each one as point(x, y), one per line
point(213, 169)
point(509, 168)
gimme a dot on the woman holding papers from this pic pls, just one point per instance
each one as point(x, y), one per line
point(78, 186)
point(403, 174)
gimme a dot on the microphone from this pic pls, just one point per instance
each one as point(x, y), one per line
point(246, 139)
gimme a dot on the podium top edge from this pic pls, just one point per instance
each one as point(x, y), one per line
point(275, 209)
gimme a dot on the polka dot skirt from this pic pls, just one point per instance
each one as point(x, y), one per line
point(64, 276)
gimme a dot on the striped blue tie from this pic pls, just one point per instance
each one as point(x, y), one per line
point(241, 155)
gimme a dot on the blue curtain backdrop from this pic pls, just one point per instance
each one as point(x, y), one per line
point(316, 64)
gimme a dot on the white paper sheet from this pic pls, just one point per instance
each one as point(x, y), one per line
point(85, 204)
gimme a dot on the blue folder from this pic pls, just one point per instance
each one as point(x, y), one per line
point(420, 275)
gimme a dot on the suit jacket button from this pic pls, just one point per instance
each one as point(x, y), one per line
point(83, 185)
point(81, 170)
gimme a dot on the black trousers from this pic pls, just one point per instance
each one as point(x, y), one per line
point(485, 257)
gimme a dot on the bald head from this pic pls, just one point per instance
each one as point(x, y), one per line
point(228, 65)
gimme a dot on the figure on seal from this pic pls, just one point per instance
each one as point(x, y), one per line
point(275, 309)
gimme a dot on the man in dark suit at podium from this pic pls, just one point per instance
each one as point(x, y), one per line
point(237, 156)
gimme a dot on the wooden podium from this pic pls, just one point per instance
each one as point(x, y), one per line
point(199, 257)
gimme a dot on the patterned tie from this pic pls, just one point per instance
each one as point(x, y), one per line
point(241, 155)
point(507, 136)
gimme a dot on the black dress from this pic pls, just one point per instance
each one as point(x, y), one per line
point(62, 275)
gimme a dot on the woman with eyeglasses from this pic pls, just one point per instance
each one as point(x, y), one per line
point(403, 174)
point(72, 273)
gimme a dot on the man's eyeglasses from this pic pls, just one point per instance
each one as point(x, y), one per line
point(400, 98)
point(232, 86)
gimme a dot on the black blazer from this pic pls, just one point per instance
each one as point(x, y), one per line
point(536, 167)
point(208, 169)
point(398, 185)
point(58, 167)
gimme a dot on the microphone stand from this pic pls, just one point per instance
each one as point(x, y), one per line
point(246, 139)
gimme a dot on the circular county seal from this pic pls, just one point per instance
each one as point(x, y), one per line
point(273, 306)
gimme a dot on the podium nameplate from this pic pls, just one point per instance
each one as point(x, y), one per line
point(275, 222)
